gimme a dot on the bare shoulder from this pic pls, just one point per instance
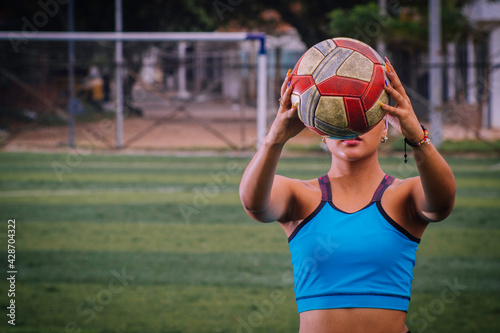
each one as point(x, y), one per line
point(298, 188)
point(396, 198)
point(398, 202)
point(306, 196)
point(405, 185)
point(304, 190)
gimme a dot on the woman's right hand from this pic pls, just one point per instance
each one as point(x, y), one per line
point(287, 123)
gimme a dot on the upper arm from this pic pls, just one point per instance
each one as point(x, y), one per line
point(424, 208)
point(280, 201)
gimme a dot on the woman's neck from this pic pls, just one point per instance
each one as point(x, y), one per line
point(356, 173)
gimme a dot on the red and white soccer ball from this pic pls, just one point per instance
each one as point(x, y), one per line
point(338, 85)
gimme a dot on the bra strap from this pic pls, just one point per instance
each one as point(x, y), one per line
point(326, 189)
point(384, 184)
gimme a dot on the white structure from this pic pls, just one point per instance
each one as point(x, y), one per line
point(183, 93)
point(485, 15)
point(471, 73)
point(451, 51)
point(119, 37)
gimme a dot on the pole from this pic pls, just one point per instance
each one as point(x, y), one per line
point(119, 75)
point(183, 93)
point(435, 77)
point(261, 94)
point(71, 75)
point(471, 72)
point(451, 54)
point(380, 41)
point(132, 36)
point(493, 116)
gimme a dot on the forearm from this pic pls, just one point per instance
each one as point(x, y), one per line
point(264, 196)
point(438, 182)
point(257, 181)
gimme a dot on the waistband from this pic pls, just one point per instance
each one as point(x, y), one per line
point(346, 300)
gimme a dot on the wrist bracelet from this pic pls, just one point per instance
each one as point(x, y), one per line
point(424, 140)
point(417, 144)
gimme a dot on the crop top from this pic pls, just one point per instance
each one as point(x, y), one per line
point(352, 260)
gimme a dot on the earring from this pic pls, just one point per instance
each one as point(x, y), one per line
point(384, 139)
point(324, 140)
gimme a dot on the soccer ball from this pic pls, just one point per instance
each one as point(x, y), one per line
point(338, 85)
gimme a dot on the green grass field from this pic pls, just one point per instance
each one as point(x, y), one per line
point(161, 244)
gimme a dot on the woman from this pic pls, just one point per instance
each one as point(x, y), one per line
point(353, 233)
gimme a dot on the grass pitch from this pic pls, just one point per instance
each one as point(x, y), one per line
point(161, 244)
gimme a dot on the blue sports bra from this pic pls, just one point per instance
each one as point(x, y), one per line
point(352, 260)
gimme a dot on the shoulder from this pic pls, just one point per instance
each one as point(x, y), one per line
point(305, 195)
point(399, 203)
point(407, 189)
point(300, 188)
point(402, 192)
point(404, 185)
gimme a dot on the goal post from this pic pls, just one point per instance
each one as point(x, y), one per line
point(17, 37)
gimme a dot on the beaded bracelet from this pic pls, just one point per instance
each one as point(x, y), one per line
point(417, 144)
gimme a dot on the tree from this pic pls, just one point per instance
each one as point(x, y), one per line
point(406, 23)
point(309, 17)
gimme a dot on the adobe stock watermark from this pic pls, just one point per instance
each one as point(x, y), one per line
point(265, 309)
point(96, 304)
point(222, 6)
point(373, 28)
point(419, 321)
point(93, 138)
point(74, 157)
point(203, 195)
point(49, 9)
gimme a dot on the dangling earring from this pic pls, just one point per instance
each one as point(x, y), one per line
point(324, 140)
point(384, 139)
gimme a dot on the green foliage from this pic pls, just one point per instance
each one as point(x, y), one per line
point(355, 22)
point(405, 26)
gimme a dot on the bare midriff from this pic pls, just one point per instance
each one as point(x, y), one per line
point(359, 320)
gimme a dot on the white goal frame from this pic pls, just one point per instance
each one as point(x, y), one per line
point(119, 37)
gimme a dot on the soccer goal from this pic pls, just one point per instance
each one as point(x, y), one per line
point(131, 72)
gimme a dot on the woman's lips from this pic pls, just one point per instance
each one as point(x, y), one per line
point(352, 142)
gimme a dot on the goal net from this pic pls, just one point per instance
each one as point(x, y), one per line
point(179, 91)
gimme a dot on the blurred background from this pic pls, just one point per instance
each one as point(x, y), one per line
point(212, 85)
point(122, 168)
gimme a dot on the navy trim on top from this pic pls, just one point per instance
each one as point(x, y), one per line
point(352, 294)
point(326, 188)
point(349, 213)
point(395, 224)
point(384, 184)
point(306, 220)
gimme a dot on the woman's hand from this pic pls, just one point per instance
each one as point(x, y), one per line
point(401, 116)
point(287, 123)
point(433, 193)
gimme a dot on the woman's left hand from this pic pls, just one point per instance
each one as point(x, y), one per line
point(402, 115)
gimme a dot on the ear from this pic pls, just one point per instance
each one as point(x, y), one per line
point(385, 126)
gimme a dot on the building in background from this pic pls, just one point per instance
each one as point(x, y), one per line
point(484, 87)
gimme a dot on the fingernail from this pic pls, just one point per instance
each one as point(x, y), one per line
point(289, 70)
point(385, 81)
point(381, 105)
point(387, 60)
